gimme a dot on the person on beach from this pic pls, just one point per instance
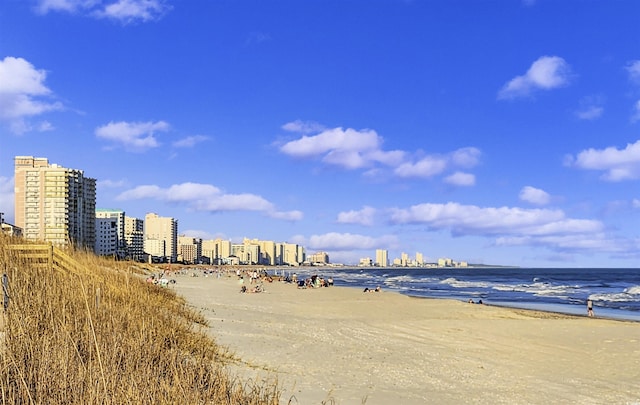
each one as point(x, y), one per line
point(589, 308)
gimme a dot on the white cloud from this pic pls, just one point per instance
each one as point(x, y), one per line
point(362, 149)
point(128, 11)
point(512, 226)
point(433, 165)
point(474, 220)
point(466, 157)
point(23, 93)
point(365, 216)
point(132, 136)
point(303, 127)
point(208, 198)
point(7, 200)
point(534, 196)
point(124, 11)
point(190, 141)
point(425, 167)
point(461, 179)
point(347, 148)
point(546, 73)
point(635, 203)
point(633, 68)
point(69, 6)
point(618, 164)
point(590, 112)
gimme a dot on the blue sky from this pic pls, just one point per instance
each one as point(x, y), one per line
point(497, 132)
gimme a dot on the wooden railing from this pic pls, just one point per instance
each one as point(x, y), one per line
point(47, 256)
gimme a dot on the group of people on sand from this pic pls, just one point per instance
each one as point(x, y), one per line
point(314, 281)
point(377, 289)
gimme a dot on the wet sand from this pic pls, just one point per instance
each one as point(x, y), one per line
point(341, 346)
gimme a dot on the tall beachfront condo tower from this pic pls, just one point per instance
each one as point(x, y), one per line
point(134, 238)
point(104, 217)
point(161, 237)
point(54, 204)
point(382, 258)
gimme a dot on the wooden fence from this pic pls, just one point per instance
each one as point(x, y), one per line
point(47, 256)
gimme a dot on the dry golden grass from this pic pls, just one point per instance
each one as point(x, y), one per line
point(104, 336)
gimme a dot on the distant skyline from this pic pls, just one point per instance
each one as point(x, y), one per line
point(491, 132)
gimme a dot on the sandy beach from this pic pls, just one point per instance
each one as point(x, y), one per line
point(343, 346)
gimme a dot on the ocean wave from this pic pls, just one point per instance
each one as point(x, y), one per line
point(617, 297)
point(452, 281)
point(635, 290)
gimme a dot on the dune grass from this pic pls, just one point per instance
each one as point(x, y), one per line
point(103, 336)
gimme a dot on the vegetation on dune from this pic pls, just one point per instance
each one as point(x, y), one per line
point(101, 335)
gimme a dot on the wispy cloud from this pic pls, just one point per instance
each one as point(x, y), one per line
point(534, 196)
point(23, 94)
point(365, 216)
point(190, 141)
point(123, 11)
point(257, 37)
point(513, 226)
point(461, 179)
point(208, 198)
point(617, 164)
point(362, 149)
point(546, 73)
point(132, 136)
point(590, 108)
point(633, 68)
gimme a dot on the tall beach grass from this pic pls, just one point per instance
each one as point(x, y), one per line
point(101, 335)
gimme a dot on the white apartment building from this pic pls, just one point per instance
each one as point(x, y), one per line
point(161, 229)
point(382, 257)
point(216, 251)
point(106, 237)
point(54, 204)
point(319, 258)
point(134, 238)
point(189, 249)
point(118, 217)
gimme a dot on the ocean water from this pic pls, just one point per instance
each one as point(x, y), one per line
point(615, 292)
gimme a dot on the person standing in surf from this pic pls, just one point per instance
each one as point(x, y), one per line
point(589, 307)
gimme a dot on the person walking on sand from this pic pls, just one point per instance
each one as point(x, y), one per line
point(589, 307)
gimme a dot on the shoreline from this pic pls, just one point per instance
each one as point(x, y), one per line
point(340, 345)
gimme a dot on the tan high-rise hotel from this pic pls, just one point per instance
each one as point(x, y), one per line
point(54, 204)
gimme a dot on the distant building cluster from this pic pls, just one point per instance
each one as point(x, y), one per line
point(382, 260)
point(58, 205)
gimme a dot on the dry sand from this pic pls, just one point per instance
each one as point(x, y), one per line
point(342, 346)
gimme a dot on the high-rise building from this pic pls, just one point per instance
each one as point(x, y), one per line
point(134, 238)
point(292, 254)
point(382, 258)
point(118, 219)
point(106, 237)
point(216, 251)
point(161, 237)
point(54, 204)
point(319, 258)
point(189, 249)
